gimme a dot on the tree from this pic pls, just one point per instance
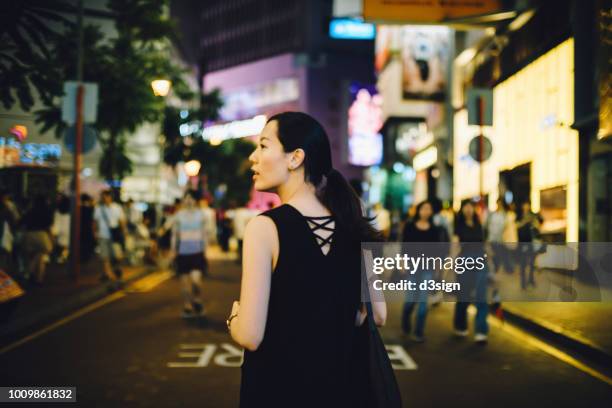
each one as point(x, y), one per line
point(123, 66)
point(27, 27)
point(226, 164)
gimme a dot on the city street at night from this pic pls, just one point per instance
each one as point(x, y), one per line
point(306, 203)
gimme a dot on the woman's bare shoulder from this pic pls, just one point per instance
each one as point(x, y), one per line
point(261, 227)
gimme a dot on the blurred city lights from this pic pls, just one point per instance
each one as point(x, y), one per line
point(192, 168)
point(398, 167)
point(161, 87)
point(235, 129)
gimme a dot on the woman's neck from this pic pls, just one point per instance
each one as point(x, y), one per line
point(295, 190)
point(302, 196)
point(422, 224)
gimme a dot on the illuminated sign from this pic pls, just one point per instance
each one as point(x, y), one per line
point(14, 152)
point(351, 29)
point(412, 137)
point(19, 131)
point(364, 124)
point(249, 101)
point(234, 130)
point(427, 11)
point(425, 159)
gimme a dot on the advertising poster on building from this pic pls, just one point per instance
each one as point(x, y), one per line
point(424, 54)
point(365, 144)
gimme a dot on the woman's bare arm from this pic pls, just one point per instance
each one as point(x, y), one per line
point(259, 249)
point(379, 306)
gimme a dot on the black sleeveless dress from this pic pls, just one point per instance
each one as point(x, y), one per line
point(304, 358)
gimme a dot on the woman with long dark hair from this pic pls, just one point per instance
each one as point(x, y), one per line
point(468, 230)
point(300, 299)
point(422, 230)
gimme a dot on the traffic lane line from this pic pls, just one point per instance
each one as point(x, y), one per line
point(150, 282)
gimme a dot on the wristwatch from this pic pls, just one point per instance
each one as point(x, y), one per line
point(229, 321)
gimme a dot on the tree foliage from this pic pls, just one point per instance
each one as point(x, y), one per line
point(226, 164)
point(122, 64)
point(27, 30)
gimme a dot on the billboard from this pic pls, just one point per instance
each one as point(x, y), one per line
point(365, 144)
point(422, 51)
point(427, 11)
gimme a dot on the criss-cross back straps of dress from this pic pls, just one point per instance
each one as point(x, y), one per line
point(322, 223)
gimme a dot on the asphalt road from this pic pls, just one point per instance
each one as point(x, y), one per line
point(135, 350)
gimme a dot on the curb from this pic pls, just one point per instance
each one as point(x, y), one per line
point(559, 336)
point(24, 326)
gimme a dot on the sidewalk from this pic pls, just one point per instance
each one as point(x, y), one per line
point(582, 327)
point(60, 295)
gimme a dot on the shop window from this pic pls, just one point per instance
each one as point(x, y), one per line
point(553, 209)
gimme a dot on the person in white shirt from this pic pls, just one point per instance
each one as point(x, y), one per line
point(61, 228)
point(109, 228)
point(211, 221)
point(496, 225)
point(242, 216)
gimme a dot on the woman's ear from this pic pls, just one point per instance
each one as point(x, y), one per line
point(297, 158)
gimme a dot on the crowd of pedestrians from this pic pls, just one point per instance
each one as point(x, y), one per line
point(510, 240)
point(36, 232)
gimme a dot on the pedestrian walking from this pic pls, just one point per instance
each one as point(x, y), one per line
point(189, 247)
point(9, 219)
point(164, 233)
point(242, 215)
point(110, 230)
point(211, 221)
point(226, 216)
point(528, 228)
point(468, 230)
point(61, 229)
point(88, 240)
point(497, 223)
point(421, 229)
point(300, 308)
point(37, 244)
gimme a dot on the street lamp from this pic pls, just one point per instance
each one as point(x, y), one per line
point(161, 87)
point(192, 168)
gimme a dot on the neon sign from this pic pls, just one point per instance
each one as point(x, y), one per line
point(351, 29)
point(15, 152)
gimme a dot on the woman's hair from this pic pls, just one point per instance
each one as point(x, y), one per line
point(460, 220)
point(417, 211)
point(193, 194)
point(297, 130)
